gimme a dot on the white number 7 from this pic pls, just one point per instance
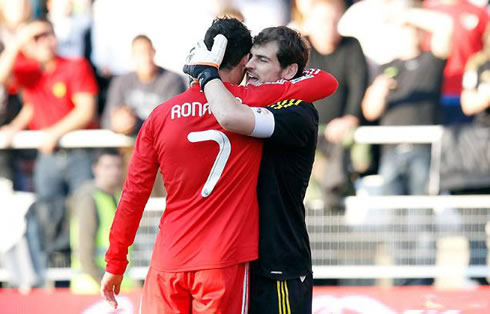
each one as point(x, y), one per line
point(220, 162)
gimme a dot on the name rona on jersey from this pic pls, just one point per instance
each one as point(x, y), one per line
point(197, 109)
point(194, 109)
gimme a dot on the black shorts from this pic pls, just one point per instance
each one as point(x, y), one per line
point(270, 296)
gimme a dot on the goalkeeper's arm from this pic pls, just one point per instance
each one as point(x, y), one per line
point(232, 115)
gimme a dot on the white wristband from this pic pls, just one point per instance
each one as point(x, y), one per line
point(264, 122)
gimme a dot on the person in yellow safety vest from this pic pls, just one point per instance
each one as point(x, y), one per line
point(92, 210)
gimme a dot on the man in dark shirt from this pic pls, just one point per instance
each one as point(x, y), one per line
point(133, 96)
point(340, 113)
point(281, 280)
point(406, 92)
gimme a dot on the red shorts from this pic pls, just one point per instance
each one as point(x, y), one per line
point(221, 290)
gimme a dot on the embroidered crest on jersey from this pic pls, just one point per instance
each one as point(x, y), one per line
point(285, 104)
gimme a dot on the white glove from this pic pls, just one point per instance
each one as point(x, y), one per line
point(202, 64)
point(200, 55)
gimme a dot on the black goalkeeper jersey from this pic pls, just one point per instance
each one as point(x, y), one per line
point(284, 247)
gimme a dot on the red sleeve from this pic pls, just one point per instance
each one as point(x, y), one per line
point(314, 85)
point(136, 191)
point(483, 22)
point(83, 78)
point(26, 73)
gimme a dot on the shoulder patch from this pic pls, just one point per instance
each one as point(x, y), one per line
point(285, 104)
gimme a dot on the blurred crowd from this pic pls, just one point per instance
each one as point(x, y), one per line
point(67, 65)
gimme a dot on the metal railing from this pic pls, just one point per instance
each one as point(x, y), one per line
point(373, 230)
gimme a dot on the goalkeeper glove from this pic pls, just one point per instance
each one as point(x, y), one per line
point(202, 64)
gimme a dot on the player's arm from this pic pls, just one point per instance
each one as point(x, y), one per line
point(295, 123)
point(314, 85)
point(203, 65)
point(289, 122)
point(136, 191)
point(236, 117)
point(232, 115)
point(286, 122)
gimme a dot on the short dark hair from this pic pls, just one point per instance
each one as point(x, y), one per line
point(111, 151)
point(239, 40)
point(292, 47)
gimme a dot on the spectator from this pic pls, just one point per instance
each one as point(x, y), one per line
point(260, 14)
point(231, 11)
point(59, 97)
point(133, 96)
point(13, 15)
point(340, 113)
point(92, 210)
point(475, 98)
point(71, 29)
point(465, 162)
point(15, 255)
point(17, 259)
point(470, 23)
point(6, 115)
point(368, 17)
point(406, 92)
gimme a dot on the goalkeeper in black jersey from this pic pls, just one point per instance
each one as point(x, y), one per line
point(281, 279)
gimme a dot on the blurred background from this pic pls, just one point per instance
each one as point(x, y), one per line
point(399, 194)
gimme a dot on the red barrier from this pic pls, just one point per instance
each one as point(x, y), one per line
point(331, 300)
point(406, 300)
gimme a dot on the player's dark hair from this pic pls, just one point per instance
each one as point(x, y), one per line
point(103, 152)
point(239, 40)
point(292, 47)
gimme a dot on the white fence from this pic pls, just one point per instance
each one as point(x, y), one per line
point(378, 237)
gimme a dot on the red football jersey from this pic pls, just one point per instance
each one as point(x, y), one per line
point(469, 26)
point(51, 93)
point(211, 215)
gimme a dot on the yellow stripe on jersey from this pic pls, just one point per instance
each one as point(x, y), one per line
point(285, 103)
point(287, 296)
point(290, 102)
point(283, 297)
point(279, 296)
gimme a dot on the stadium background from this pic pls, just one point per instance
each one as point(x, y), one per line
point(352, 249)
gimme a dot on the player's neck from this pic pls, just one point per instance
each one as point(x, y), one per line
point(233, 76)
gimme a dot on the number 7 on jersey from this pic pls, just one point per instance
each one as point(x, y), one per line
point(220, 162)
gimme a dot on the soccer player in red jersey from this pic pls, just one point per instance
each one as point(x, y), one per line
point(209, 230)
point(281, 280)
